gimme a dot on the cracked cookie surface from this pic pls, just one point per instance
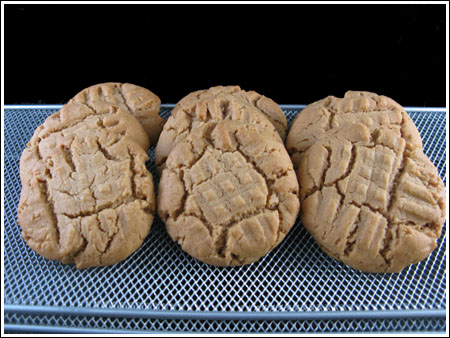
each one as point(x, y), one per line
point(264, 104)
point(195, 113)
point(140, 102)
point(372, 110)
point(87, 197)
point(228, 194)
point(369, 200)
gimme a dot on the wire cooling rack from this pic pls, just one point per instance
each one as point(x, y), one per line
point(295, 288)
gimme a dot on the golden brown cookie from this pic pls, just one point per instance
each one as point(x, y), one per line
point(211, 108)
point(369, 200)
point(139, 101)
point(228, 194)
point(372, 110)
point(115, 118)
point(267, 106)
point(87, 197)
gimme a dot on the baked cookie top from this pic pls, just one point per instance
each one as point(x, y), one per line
point(369, 200)
point(372, 110)
point(264, 104)
point(114, 118)
point(228, 194)
point(87, 197)
point(211, 108)
point(140, 102)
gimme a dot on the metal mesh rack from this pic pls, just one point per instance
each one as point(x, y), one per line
point(295, 288)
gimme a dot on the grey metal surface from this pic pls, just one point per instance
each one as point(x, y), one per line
point(17, 323)
point(160, 288)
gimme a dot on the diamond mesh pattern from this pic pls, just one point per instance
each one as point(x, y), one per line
point(297, 276)
point(106, 324)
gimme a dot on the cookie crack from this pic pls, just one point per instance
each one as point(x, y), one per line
point(204, 221)
point(388, 236)
point(350, 240)
point(236, 217)
point(351, 164)
point(68, 156)
point(388, 241)
point(43, 137)
point(123, 98)
point(81, 249)
point(348, 170)
point(221, 242)
point(295, 150)
point(333, 222)
point(255, 101)
point(235, 257)
point(225, 109)
point(368, 111)
point(87, 99)
point(331, 117)
point(110, 240)
point(373, 146)
point(162, 161)
point(91, 190)
point(132, 176)
point(105, 152)
point(371, 208)
point(392, 228)
point(273, 118)
point(327, 166)
point(322, 184)
point(170, 128)
point(393, 188)
point(180, 172)
point(268, 180)
point(112, 206)
point(230, 223)
point(269, 183)
point(245, 215)
point(43, 185)
point(182, 211)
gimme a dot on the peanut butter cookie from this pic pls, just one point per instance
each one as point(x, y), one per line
point(372, 110)
point(195, 113)
point(369, 200)
point(267, 106)
point(87, 197)
point(228, 194)
point(139, 101)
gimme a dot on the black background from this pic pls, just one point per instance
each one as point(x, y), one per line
point(295, 54)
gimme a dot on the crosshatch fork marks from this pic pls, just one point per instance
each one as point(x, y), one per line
point(275, 284)
point(388, 178)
